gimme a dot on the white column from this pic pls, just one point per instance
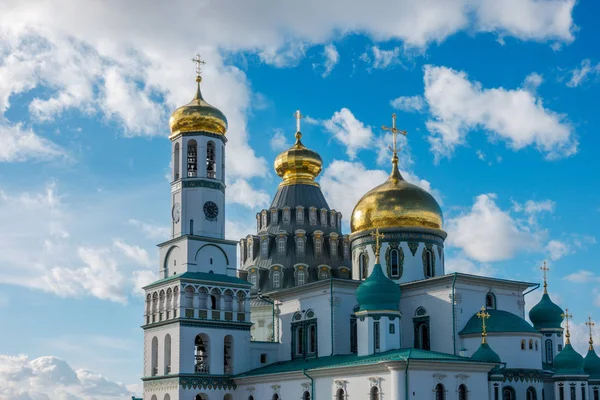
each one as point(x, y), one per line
point(397, 382)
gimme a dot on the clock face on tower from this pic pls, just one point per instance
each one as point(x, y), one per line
point(211, 210)
point(176, 212)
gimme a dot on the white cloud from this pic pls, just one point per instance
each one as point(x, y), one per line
point(241, 192)
point(487, 233)
point(331, 56)
point(19, 144)
point(466, 266)
point(349, 131)
point(52, 378)
point(535, 207)
point(459, 106)
point(568, 244)
point(344, 183)
point(152, 231)
point(135, 253)
point(532, 82)
point(557, 249)
point(279, 141)
point(239, 228)
point(580, 337)
point(382, 59)
point(408, 103)
point(585, 71)
point(582, 276)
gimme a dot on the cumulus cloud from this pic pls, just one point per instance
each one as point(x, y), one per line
point(151, 230)
point(52, 378)
point(349, 131)
point(408, 103)
point(279, 141)
point(459, 106)
point(241, 192)
point(486, 233)
point(382, 59)
point(582, 276)
point(466, 266)
point(21, 144)
point(557, 249)
point(584, 72)
point(134, 253)
point(331, 58)
point(568, 244)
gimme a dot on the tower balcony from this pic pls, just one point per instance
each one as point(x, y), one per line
point(198, 313)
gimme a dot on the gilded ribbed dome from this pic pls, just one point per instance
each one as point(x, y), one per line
point(198, 116)
point(396, 203)
point(298, 165)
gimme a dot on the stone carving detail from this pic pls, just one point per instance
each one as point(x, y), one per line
point(208, 382)
point(375, 381)
point(161, 385)
point(413, 246)
point(388, 259)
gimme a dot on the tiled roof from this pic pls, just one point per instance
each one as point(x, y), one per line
point(202, 276)
point(499, 321)
point(353, 359)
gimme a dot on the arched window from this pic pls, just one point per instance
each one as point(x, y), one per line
point(462, 392)
point(281, 245)
point(253, 279)
point(549, 351)
point(312, 339)
point(363, 265)
point(318, 246)
point(274, 215)
point(423, 336)
point(286, 215)
point(440, 392)
point(333, 247)
point(490, 301)
point(299, 214)
point(213, 302)
point(596, 394)
point(531, 393)
point(339, 395)
point(275, 396)
point(346, 250)
point(153, 397)
point(508, 393)
point(264, 219)
point(301, 277)
point(264, 247)
point(211, 170)
point(306, 395)
point(523, 344)
point(250, 245)
point(530, 344)
point(228, 354)
point(300, 245)
point(395, 267)
point(536, 345)
point(300, 340)
point(374, 395)
point(428, 264)
point(176, 162)
point(323, 217)
point(191, 226)
point(192, 159)
point(250, 397)
point(154, 371)
point(276, 280)
point(312, 216)
point(167, 397)
point(167, 357)
point(201, 357)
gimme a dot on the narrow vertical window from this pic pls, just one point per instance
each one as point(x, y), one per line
point(318, 246)
point(376, 336)
point(440, 392)
point(264, 245)
point(299, 215)
point(264, 219)
point(462, 392)
point(573, 393)
point(211, 170)
point(300, 245)
point(395, 267)
point(333, 245)
point(286, 216)
point(363, 266)
point(253, 279)
point(276, 279)
point(301, 277)
point(561, 393)
point(250, 245)
point(549, 352)
point(312, 216)
point(312, 335)
point(428, 264)
point(281, 245)
point(324, 217)
point(176, 162)
point(346, 250)
point(374, 394)
point(191, 226)
point(192, 159)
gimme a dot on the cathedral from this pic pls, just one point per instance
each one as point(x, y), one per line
point(299, 309)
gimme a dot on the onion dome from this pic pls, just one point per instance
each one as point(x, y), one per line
point(396, 203)
point(546, 314)
point(378, 292)
point(486, 354)
point(198, 116)
point(500, 322)
point(568, 361)
point(591, 364)
point(298, 165)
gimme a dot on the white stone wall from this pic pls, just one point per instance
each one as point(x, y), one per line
point(508, 347)
point(160, 333)
point(567, 385)
point(269, 349)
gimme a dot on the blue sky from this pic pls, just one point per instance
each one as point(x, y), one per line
point(499, 100)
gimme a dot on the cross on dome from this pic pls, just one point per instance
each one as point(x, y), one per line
point(376, 235)
point(567, 316)
point(545, 269)
point(483, 315)
point(199, 63)
point(298, 117)
point(394, 131)
point(590, 324)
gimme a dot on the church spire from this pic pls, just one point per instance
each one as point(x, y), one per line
point(567, 317)
point(394, 149)
point(590, 324)
point(483, 315)
point(545, 269)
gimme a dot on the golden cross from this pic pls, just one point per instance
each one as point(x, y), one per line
point(567, 316)
point(298, 116)
point(590, 325)
point(394, 131)
point(376, 235)
point(545, 269)
point(483, 315)
point(199, 63)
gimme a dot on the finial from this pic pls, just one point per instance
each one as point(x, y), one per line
point(483, 315)
point(545, 269)
point(394, 131)
point(376, 235)
point(199, 63)
point(567, 316)
point(590, 326)
point(298, 116)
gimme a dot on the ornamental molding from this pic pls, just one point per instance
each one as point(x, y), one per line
point(410, 236)
point(375, 381)
point(160, 385)
point(440, 250)
point(208, 382)
point(439, 377)
point(276, 389)
point(250, 390)
point(306, 386)
point(413, 246)
point(202, 183)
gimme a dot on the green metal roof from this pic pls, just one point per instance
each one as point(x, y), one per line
point(499, 322)
point(568, 362)
point(591, 364)
point(343, 360)
point(202, 276)
point(485, 353)
point(378, 292)
point(546, 314)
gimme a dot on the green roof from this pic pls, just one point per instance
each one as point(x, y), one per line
point(485, 353)
point(343, 360)
point(546, 314)
point(591, 364)
point(202, 276)
point(568, 362)
point(499, 322)
point(378, 292)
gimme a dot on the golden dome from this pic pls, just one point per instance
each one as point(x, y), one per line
point(298, 165)
point(396, 203)
point(197, 116)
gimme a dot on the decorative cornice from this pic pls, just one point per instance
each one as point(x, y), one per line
point(198, 133)
point(208, 323)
